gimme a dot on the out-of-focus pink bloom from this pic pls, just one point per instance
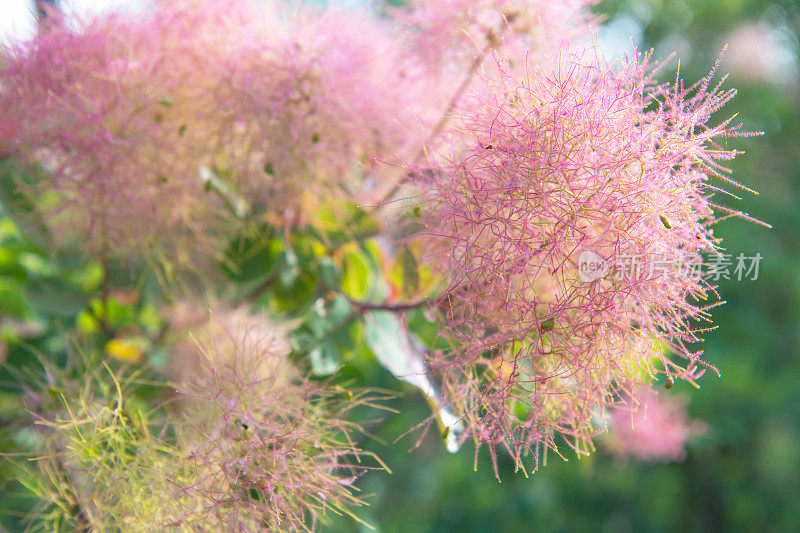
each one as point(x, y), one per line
point(201, 340)
point(760, 52)
point(88, 106)
point(449, 39)
point(333, 94)
point(453, 32)
point(260, 447)
point(651, 427)
point(581, 157)
point(179, 115)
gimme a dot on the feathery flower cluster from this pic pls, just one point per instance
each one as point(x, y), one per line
point(251, 445)
point(451, 33)
point(261, 446)
point(98, 465)
point(88, 106)
point(318, 106)
point(194, 335)
point(179, 115)
point(653, 428)
point(577, 157)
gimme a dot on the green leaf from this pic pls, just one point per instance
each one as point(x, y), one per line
point(356, 280)
point(89, 277)
point(328, 335)
point(12, 299)
point(55, 296)
point(409, 272)
point(328, 272)
point(117, 314)
point(427, 330)
point(291, 269)
point(308, 250)
point(253, 256)
point(403, 355)
point(19, 206)
point(301, 340)
point(344, 222)
point(323, 319)
point(286, 298)
point(150, 319)
point(10, 265)
point(325, 359)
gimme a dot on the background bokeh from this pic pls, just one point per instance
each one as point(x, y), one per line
point(743, 473)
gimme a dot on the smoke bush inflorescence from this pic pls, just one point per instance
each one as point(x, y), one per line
point(196, 112)
point(266, 141)
point(569, 157)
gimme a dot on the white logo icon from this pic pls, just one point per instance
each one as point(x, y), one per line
point(591, 266)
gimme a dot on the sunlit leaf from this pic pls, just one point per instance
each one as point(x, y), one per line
point(356, 280)
point(127, 349)
point(342, 222)
point(405, 273)
point(325, 359)
point(403, 355)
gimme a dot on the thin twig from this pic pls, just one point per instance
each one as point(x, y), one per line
point(387, 306)
point(442, 122)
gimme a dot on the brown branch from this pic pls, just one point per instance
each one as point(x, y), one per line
point(442, 121)
point(399, 307)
